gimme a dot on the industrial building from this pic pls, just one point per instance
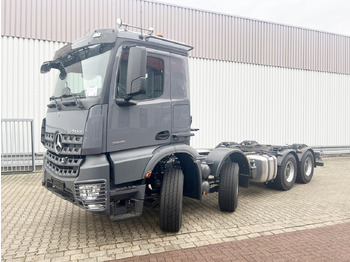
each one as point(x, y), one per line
point(250, 79)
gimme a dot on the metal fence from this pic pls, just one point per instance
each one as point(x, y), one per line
point(17, 146)
point(333, 150)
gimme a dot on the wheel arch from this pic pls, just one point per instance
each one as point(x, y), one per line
point(281, 156)
point(218, 156)
point(190, 166)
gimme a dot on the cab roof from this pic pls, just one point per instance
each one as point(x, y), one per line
point(111, 36)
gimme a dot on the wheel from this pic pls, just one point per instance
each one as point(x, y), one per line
point(170, 216)
point(286, 173)
point(306, 168)
point(228, 187)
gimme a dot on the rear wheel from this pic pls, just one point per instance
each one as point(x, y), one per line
point(170, 217)
point(286, 173)
point(228, 187)
point(306, 168)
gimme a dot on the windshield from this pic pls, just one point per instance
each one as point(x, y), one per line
point(86, 71)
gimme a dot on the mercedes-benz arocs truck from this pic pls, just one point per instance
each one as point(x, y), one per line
point(118, 126)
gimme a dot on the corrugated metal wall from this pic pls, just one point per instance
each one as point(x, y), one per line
point(236, 101)
point(24, 91)
point(243, 84)
point(230, 101)
point(214, 36)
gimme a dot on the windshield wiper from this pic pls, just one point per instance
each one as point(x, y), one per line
point(75, 97)
point(66, 92)
point(56, 103)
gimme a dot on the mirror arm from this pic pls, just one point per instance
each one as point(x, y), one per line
point(124, 102)
point(127, 98)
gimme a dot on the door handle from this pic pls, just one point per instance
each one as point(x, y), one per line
point(164, 135)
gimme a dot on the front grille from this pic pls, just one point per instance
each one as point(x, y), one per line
point(66, 166)
point(100, 200)
point(72, 144)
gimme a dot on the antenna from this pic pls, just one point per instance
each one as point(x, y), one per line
point(141, 15)
point(121, 24)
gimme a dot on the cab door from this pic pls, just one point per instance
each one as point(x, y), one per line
point(146, 119)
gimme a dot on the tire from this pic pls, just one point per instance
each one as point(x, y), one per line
point(306, 168)
point(269, 184)
point(171, 195)
point(286, 173)
point(228, 187)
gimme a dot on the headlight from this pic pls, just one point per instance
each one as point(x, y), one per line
point(89, 192)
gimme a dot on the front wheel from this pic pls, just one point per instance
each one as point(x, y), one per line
point(306, 168)
point(228, 187)
point(286, 173)
point(170, 215)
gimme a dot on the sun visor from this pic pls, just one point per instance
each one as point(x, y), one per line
point(106, 36)
point(97, 37)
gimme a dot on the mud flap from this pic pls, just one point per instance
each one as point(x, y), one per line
point(243, 180)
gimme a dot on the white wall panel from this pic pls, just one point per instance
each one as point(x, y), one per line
point(24, 91)
point(235, 101)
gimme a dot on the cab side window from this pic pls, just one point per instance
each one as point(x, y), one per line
point(154, 78)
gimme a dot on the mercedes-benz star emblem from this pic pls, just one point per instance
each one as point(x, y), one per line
point(58, 143)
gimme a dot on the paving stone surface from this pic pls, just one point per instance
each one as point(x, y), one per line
point(36, 225)
point(328, 243)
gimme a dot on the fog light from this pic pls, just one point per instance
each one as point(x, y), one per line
point(89, 192)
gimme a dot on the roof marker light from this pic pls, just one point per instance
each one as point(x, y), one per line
point(97, 35)
point(119, 22)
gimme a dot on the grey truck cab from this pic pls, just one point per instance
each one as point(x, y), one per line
point(118, 127)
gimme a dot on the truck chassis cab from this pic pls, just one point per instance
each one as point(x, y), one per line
point(118, 127)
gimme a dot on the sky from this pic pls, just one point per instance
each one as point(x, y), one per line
point(331, 16)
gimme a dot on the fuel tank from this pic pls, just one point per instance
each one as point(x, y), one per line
point(266, 167)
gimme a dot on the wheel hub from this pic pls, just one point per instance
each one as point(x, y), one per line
point(289, 171)
point(308, 167)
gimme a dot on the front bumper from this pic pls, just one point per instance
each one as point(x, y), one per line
point(120, 203)
point(93, 171)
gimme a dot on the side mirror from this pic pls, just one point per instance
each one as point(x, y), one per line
point(136, 79)
point(45, 67)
